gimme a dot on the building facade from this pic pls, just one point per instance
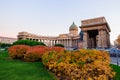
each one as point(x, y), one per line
point(7, 40)
point(68, 40)
point(95, 34)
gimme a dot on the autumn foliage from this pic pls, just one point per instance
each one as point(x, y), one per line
point(79, 65)
point(35, 53)
point(57, 49)
point(30, 53)
point(67, 65)
point(18, 51)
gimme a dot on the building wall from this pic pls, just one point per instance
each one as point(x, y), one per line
point(7, 40)
point(72, 38)
point(102, 37)
point(66, 39)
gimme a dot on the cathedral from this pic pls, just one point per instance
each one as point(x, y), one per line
point(94, 34)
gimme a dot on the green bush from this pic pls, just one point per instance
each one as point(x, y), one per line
point(4, 45)
point(60, 45)
point(28, 42)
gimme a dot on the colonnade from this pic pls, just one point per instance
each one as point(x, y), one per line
point(51, 42)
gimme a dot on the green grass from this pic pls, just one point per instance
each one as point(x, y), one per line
point(18, 70)
point(117, 70)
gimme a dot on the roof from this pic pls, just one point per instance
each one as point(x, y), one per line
point(73, 27)
point(95, 22)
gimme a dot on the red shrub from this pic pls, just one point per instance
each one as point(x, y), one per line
point(35, 53)
point(18, 51)
point(57, 49)
point(30, 53)
point(41, 47)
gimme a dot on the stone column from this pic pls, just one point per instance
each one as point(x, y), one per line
point(85, 43)
point(58, 41)
point(65, 43)
point(108, 40)
point(99, 38)
point(70, 42)
point(61, 41)
point(42, 41)
point(55, 42)
point(102, 39)
point(52, 42)
point(69, 45)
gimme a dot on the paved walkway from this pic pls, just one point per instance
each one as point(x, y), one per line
point(114, 60)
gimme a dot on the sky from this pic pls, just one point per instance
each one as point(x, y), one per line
point(54, 17)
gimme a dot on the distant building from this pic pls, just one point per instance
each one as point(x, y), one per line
point(95, 34)
point(7, 40)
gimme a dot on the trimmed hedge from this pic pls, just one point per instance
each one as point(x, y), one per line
point(28, 42)
point(59, 45)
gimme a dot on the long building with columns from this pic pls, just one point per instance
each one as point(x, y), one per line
point(95, 34)
point(68, 40)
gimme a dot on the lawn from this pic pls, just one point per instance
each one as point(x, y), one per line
point(117, 70)
point(19, 70)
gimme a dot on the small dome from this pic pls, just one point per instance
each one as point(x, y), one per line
point(73, 27)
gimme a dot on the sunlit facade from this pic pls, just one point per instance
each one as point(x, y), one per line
point(96, 34)
point(7, 40)
point(68, 40)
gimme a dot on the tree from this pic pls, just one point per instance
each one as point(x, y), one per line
point(4, 45)
point(118, 41)
point(28, 42)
